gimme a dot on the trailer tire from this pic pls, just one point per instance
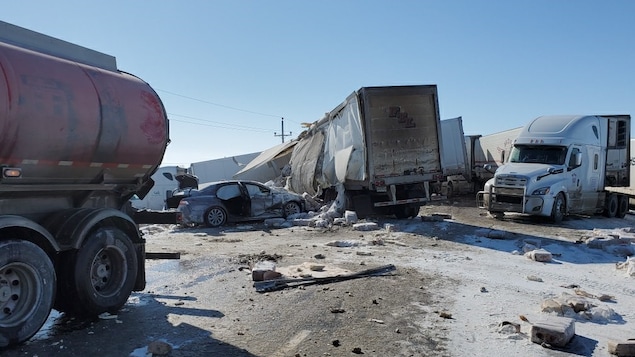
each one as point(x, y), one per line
point(102, 275)
point(449, 191)
point(622, 206)
point(559, 209)
point(27, 278)
point(611, 206)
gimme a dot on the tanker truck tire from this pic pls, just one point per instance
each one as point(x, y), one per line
point(558, 210)
point(27, 290)
point(102, 276)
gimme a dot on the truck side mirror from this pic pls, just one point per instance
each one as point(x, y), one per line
point(488, 168)
point(578, 159)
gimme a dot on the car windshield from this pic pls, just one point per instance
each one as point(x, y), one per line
point(552, 155)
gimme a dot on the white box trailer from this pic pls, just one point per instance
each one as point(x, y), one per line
point(165, 183)
point(630, 189)
point(492, 149)
point(457, 170)
point(381, 145)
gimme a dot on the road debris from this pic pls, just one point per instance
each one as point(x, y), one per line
point(278, 284)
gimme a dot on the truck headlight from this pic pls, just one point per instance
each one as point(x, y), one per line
point(541, 191)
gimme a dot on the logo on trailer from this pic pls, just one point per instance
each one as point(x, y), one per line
point(402, 117)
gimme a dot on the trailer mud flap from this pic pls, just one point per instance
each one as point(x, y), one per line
point(140, 282)
point(363, 206)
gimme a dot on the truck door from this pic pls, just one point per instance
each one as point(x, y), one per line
point(592, 171)
point(574, 183)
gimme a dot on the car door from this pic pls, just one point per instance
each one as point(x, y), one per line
point(261, 199)
point(232, 198)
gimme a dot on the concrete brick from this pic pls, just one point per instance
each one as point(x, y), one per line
point(622, 348)
point(539, 255)
point(263, 268)
point(555, 331)
point(350, 217)
point(369, 226)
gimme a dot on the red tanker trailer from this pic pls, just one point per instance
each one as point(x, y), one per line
point(78, 138)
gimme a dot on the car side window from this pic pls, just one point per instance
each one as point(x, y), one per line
point(228, 192)
point(256, 190)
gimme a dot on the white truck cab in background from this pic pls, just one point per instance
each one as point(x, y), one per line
point(561, 165)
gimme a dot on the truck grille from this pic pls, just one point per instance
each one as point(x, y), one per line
point(510, 181)
point(509, 189)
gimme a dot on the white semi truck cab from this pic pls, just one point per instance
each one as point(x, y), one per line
point(561, 165)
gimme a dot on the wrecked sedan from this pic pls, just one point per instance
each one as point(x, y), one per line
point(236, 201)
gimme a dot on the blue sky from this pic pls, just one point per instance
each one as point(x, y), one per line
point(227, 71)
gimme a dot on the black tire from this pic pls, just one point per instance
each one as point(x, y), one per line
point(27, 280)
point(559, 209)
point(291, 208)
point(622, 206)
point(449, 191)
point(104, 274)
point(215, 217)
point(611, 208)
point(405, 211)
point(413, 211)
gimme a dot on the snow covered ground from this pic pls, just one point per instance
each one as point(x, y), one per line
point(498, 285)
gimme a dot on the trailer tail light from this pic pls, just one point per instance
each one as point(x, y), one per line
point(380, 183)
point(11, 172)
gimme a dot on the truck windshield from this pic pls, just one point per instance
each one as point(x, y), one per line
point(552, 155)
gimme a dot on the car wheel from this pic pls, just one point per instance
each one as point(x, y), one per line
point(559, 209)
point(215, 217)
point(291, 208)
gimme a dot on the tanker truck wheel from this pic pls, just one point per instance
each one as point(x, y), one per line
point(102, 276)
point(27, 289)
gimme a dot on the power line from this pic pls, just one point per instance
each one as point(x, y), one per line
point(218, 126)
point(225, 125)
point(216, 104)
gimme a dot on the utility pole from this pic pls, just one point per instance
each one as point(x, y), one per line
point(282, 134)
